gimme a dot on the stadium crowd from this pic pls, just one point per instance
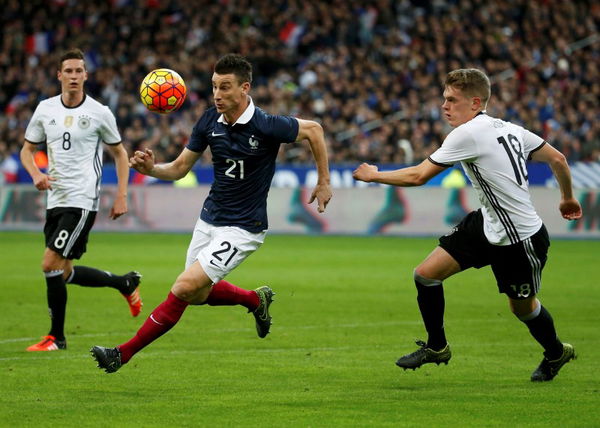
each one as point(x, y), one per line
point(368, 70)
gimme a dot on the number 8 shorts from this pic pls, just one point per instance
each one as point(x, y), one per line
point(67, 229)
point(220, 249)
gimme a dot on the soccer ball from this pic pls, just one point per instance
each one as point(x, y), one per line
point(162, 91)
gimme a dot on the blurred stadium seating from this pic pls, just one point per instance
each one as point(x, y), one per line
point(370, 71)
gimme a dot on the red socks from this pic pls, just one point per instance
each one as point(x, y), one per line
point(224, 293)
point(168, 313)
point(161, 320)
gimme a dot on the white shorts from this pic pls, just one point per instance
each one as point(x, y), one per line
point(220, 249)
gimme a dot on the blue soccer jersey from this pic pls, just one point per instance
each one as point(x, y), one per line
point(243, 156)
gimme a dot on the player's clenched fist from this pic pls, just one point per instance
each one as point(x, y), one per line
point(365, 172)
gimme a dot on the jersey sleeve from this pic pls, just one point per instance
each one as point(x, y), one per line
point(109, 130)
point(283, 129)
point(198, 140)
point(531, 142)
point(35, 133)
point(458, 146)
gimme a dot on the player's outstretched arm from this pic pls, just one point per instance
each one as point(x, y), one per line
point(144, 162)
point(405, 177)
point(119, 154)
point(313, 132)
point(569, 207)
point(40, 180)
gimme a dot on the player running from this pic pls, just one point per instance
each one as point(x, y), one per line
point(244, 141)
point(505, 233)
point(73, 125)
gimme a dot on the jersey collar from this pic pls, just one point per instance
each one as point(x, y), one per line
point(246, 115)
point(66, 106)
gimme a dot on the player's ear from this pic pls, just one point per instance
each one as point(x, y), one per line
point(246, 88)
point(476, 103)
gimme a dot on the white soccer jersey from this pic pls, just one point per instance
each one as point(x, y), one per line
point(73, 136)
point(493, 154)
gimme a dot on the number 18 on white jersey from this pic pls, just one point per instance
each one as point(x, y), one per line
point(493, 154)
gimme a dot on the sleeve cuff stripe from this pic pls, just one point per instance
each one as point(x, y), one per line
point(538, 147)
point(445, 165)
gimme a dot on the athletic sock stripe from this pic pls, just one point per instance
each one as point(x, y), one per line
point(536, 264)
point(73, 238)
point(54, 273)
point(72, 274)
point(503, 216)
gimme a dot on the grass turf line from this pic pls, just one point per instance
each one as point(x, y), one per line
point(345, 310)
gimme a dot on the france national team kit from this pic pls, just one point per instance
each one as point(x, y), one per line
point(243, 156)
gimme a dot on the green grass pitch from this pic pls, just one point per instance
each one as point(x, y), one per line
point(345, 310)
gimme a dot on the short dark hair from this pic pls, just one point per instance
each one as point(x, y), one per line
point(472, 82)
point(70, 54)
point(235, 64)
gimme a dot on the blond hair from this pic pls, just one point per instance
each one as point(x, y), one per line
point(472, 82)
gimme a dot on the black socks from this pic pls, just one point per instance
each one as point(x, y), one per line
point(542, 329)
point(91, 277)
point(431, 304)
point(56, 291)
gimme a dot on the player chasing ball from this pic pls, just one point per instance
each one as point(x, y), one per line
point(244, 142)
point(505, 233)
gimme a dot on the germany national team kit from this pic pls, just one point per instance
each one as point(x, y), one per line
point(73, 136)
point(506, 232)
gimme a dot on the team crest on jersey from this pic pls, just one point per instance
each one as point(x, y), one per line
point(253, 143)
point(83, 122)
point(68, 121)
point(498, 124)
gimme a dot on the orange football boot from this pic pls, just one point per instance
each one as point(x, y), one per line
point(133, 297)
point(48, 343)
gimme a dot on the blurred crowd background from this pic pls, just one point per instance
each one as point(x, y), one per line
point(369, 70)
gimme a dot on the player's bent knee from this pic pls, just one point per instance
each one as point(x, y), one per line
point(526, 309)
point(193, 294)
point(422, 280)
point(52, 261)
point(192, 290)
point(50, 265)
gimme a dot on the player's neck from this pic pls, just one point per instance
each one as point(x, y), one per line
point(72, 99)
point(232, 117)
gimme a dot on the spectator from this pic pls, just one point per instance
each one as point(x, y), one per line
point(346, 63)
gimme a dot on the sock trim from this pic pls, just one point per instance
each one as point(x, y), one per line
point(71, 275)
point(532, 315)
point(53, 273)
point(426, 281)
